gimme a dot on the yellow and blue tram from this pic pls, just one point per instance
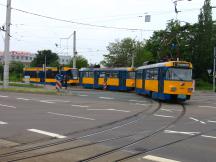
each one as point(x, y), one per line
point(38, 75)
point(122, 79)
point(170, 80)
point(165, 81)
point(72, 75)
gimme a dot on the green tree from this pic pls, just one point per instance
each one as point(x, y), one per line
point(80, 62)
point(203, 51)
point(52, 59)
point(173, 42)
point(16, 71)
point(121, 52)
point(142, 54)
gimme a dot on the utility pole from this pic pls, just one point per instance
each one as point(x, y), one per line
point(7, 45)
point(214, 74)
point(45, 70)
point(74, 49)
point(132, 64)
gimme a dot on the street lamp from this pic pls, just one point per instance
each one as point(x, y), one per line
point(74, 47)
point(175, 5)
point(214, 74)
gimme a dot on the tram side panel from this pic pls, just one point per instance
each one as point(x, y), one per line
point(87, 79)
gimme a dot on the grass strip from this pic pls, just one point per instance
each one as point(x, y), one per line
point(29, 90)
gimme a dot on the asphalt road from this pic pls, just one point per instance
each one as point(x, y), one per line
point(31, 121)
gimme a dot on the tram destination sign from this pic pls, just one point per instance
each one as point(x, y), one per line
point(182, 65)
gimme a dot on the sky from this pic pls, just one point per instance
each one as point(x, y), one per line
point(32, 33)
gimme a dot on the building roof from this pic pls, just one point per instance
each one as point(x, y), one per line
point(18, 53)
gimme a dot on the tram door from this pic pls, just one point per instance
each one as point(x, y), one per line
point(96, 77)
point(161, 77)
point(143, 73)
point(122, 79)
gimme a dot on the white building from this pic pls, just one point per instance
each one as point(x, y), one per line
point(64, 60)
point(27, 57)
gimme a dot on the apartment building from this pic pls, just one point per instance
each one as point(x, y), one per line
point(27, 57)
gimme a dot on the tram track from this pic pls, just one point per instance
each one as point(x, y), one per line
point(163, 146)
point(145, 151)
point(123, 122)
point(156, 132)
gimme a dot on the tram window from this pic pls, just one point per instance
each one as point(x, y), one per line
point(155, 74)
point(74, 74)
point(152, 74)
point(139, 74)
point(131, 75)
point(113, 75)
point(88, 74)
point(91, 74)
point(32, 74)
point(51, 74)
point(102, 75)
point(179, 74)
point(107, 74)
point(85, 74)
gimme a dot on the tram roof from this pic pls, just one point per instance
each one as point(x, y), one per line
point(108, 69)
point(39, 68)
point(68, 68)
point(180, 64)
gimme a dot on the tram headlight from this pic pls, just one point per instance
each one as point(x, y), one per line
point(190, 89)
point(173, 89)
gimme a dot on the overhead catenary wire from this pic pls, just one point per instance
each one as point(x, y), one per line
point(78, 23)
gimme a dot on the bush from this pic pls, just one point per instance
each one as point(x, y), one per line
point(203, 85)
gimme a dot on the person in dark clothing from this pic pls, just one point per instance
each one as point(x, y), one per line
point(65, 81)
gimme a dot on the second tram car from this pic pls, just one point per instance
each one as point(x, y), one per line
point(122, 79)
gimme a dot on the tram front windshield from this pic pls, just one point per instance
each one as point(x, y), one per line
point(73, 74)
point(179, 74)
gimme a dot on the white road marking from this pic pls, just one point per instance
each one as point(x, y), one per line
point(188, 133)
point(8, 106)
point(213, 107)
point(1, 122)
point(46, 133)
point(208, 136)
point(25, 99)
point(141, 104)
point(211, 121)
point(3, 96)
point(110, 110)
point(202, 122)
point(178, 132)
point(164, 116)
point(197, 120)
point(194, 119)
point(58, 101)
point(158, 159)
point(71, 116)
point(136, 101)
point(107, 98)
point(79, 106)
point(83, 95)
point(167, 110)
point(45, 101)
